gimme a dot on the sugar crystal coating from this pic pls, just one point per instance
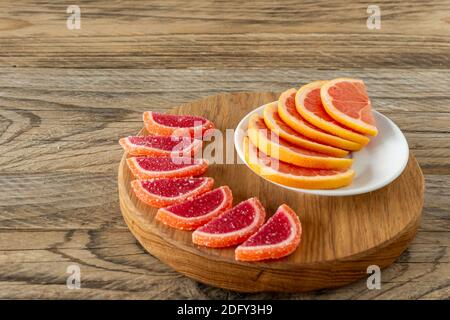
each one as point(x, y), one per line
point(277, 229)
point(172, 187)
point(198, 206)
point(178, 121)
point(234, 219)
point(163, 143)
point(164, 163)
point(277, 238)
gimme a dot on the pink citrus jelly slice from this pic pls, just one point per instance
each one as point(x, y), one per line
point(161, 192)
point(277, 238)
point(166, 167)
point(232, 227)
point(160, 146)
point(180, 125)
point(193, 213)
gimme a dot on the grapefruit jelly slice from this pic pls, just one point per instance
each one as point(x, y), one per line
point(193, 213)
point(160, 146)
point(232, 227)
point(178, 125)
point(291, 175)
point(161, 192)
point(277, 238)
point(288, 113)
point(347, 102)
point(269, 143)
point(309, 104)
point(166, 167)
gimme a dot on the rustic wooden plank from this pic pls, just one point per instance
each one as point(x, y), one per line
point(59, 200)
point(82, 151)
point(176, 16)
point(89, 201)
point(431, 244)
point(113, 266)
point(200, 49)
point(328, 51)
point(78, 115)
point(416, 90)
point(176, 34)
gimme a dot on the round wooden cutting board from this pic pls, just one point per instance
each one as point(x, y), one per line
point(342, 236)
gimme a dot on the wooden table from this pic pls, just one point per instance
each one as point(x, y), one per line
point(66, 96)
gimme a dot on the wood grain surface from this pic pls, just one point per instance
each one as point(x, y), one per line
point(66, 96)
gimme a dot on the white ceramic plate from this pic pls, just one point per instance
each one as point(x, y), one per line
point(376, 165)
